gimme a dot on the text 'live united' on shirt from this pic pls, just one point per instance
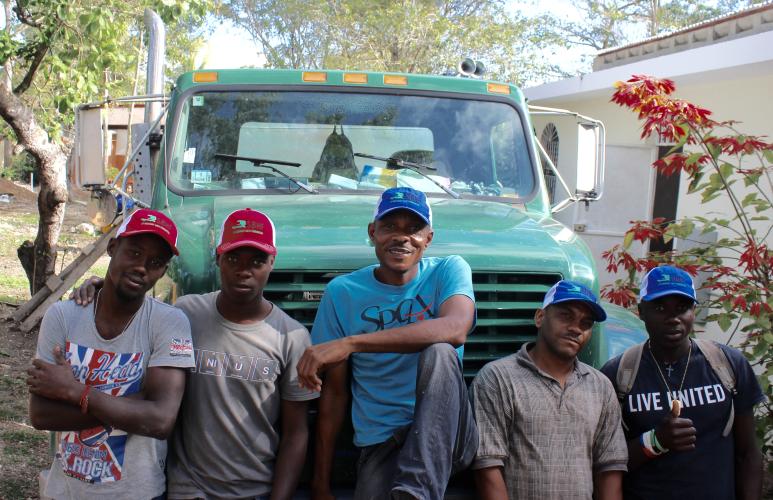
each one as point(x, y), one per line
point(103, 461)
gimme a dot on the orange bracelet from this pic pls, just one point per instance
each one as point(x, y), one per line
point(84, 403)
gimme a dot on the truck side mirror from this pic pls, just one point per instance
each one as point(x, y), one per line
point(590, 161)
point(571, 149)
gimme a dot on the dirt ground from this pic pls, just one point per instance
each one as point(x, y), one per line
point(24, 451)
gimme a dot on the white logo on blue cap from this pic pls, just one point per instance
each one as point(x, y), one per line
point(565, 291)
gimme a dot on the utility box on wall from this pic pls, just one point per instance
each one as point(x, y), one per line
point(90, 147)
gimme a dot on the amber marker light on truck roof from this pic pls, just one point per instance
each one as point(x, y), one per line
point(395, 80)
point(314, 76)
point(205, 77)
point(498, 88)
point(355, 78)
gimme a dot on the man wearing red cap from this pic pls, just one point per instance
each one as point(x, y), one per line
point(245, 383)
point(110, 377)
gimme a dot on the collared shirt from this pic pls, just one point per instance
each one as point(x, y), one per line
point(548, 439)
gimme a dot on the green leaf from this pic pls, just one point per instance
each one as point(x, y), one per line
point(749, 199)
point(714, 151)
point(726, 170)
point(627, 240)
point(695, 182)
point(724, 322)
point(751, 179)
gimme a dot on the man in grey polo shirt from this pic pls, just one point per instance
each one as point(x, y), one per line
point(549, 424)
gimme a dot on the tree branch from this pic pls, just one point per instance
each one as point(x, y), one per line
point(37, 60)
point(25, 17)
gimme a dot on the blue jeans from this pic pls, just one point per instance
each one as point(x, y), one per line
point(419, 459)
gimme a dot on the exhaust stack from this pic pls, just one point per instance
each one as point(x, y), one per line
point(156, 50)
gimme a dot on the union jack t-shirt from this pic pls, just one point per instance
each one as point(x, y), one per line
point(107, 462)
point(96, 455)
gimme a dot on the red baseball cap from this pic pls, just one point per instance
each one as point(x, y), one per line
point(247, 228)
point(150, 221)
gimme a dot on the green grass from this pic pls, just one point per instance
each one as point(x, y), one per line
point(13, 487)
point(17, 443)
point(21, 451)
point(8, 246)
point(13, 281)
point(10, 299)
point(27, 218)
point(9, 413)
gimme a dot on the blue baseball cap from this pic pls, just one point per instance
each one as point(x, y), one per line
point(666, 280)
point(565, 291)
point(403, 198)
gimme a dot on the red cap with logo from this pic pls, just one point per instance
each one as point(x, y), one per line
point(247, 228)
point(149, 221)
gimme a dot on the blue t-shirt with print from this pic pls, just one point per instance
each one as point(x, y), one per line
point(384, 384)
point(707, 472)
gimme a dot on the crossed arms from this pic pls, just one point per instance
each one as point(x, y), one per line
point(55, 401)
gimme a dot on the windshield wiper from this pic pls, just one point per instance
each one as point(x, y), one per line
point(398, 164)
point(262, 162)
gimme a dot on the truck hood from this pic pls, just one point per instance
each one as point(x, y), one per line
point(329, 232)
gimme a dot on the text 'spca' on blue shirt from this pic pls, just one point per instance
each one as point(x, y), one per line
point(384, 384)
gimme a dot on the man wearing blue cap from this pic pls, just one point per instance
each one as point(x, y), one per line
point(402, 322)
point(549, 424)
point(686, 403)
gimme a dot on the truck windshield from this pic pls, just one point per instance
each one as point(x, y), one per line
point(349, 142)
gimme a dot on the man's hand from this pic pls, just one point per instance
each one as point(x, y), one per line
point(318, 358)
point(676, 434)
point(53, 381)
point(85, 294)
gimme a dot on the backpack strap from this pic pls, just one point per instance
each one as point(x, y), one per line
point(718, 361)
point(626, 372)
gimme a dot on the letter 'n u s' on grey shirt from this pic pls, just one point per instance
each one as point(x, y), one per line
point(226, 439)
point(105, 462)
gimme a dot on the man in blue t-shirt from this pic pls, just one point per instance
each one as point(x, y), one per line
point(677, 408)
point(403, 323)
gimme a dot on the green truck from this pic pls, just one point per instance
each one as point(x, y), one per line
point(314, 149)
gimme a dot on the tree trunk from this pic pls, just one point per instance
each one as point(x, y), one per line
point(38, 258)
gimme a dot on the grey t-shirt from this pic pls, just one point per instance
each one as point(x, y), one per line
point(226, 440)
point(549, 440)
point(103, 461)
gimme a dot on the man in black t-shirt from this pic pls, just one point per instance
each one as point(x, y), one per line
point(677, 450)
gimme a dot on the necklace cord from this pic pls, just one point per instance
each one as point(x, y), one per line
point(662, 376)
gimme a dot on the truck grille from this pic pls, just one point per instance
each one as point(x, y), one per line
point(506, 303)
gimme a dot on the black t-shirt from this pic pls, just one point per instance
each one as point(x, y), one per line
point(707, 472)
